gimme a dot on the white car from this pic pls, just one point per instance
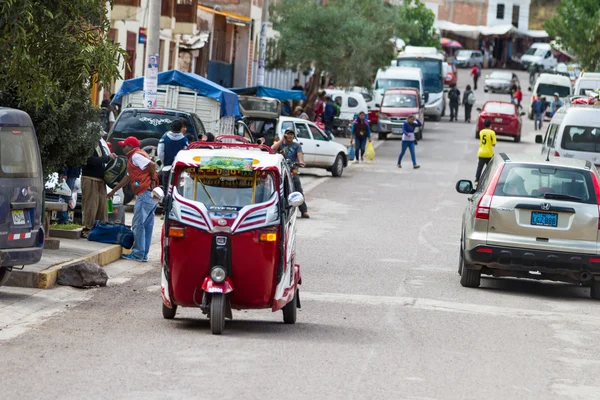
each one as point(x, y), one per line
point(351, 103)
point(319, 150)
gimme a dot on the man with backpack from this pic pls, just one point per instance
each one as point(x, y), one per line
point(475, 72)
point(169, 145)
point(107, 116)
point(468, 102)
point(454, 100)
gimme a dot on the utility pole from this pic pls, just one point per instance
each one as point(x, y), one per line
point(262, 45)
point(152, 47)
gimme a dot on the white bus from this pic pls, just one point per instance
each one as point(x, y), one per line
point(430, 62)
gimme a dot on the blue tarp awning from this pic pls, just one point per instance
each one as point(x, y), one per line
point(230, 106)
point(263, 91)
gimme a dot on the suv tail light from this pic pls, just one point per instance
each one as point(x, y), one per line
point(556, 153)
point(483, 207)
point(597, 190)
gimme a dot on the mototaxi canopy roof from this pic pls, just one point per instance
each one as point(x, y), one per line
point(263, 91)
point(230, 106)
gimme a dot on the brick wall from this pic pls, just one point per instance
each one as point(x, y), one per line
point(468, 12)
point(250, 61)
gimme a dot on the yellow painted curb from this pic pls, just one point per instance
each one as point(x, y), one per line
point(102, 257)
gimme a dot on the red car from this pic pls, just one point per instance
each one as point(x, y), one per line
point(506, 119)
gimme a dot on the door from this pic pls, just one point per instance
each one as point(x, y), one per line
point(325, 149)
point(548, 142)
point(309, 148)
point(352, 107)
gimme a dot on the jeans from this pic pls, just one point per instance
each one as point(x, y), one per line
point(142, 225)
point(475, 78)
point(453, 111)
point(298, 188)
point(410, 145)
point(482, 163)
point(468, 109)
point(538, 117)
point(360, 144)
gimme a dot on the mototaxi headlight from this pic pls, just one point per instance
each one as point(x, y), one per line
point(218, 274)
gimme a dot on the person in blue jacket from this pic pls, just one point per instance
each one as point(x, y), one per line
point(328, 115)
point(361, 133)
point(169, 145)
point(408, 140)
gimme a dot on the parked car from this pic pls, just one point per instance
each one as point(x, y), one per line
point(450, 74)
point(549, 84)
point(540, 54)
point(148, 126)
point(532, 217)
point(397, 105)
point(500, 81)
point(319, 150)
point(468, 58)
point(505, 117)
point(573, 132)
point(351, 103)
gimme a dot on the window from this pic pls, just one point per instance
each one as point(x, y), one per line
point(317, 135)
point(352, 102)
point(287, 125)
point(500, 108)
point(222, 187)
point(551, 135)
point(148, 124)
point(548, 90)
point(500, 11)
point(302, 131)
point(18, 153)
point(383, 84)
point(581, 138)
point(515, 15)
point(368, 98)
point(400, 100)
point(535, 181)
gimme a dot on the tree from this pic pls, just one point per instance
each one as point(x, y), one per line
point(576, 26)
point(347, 38)
point(49, 52)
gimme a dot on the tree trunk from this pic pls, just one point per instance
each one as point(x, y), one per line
point(312, 94)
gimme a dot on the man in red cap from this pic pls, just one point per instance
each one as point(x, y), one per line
point(142, 176)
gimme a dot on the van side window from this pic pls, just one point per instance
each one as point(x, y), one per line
point(581, 138)
point(352, 102)
point(551, 135)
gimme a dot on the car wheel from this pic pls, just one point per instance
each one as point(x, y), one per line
point(518, 138)
point(485, 90)
point(150, 146)
point(382, 136)
point(4, 275)
point(438, 118)
point(595, 290)
point(290, 310)
point(337, 169)
point(169, 313)
point(468, 277)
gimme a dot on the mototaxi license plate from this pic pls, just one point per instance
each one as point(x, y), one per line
point(544, 219)
point(498, 120)
point(18, 217)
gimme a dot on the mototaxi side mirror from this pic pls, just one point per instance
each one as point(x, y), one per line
point(539, 139)
point(377, 105)
point(464, 186)
point(295, 199)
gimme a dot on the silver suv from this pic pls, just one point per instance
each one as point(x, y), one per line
point(532, 217)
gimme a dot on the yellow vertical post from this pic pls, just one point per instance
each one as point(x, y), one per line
point(94, 93)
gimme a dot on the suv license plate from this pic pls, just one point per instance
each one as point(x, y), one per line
point(18, 217)
point(544, 219)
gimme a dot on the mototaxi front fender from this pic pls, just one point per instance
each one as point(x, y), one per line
point(209, 286)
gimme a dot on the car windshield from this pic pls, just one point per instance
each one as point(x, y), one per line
point(504, 76)
point(400, 100)
point(539, 181)
point(463, 54)
point(222, 187)
point(19, 156)
point(546, 89)
point(499, 108)
point(433, 81)
point(383, 84)
point(536, 51)
point(581, 138)
point(150, 123)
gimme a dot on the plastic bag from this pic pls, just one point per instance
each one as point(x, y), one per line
point(370, 152)
point(351, 152)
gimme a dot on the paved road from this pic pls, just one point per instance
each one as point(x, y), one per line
point(383, 316)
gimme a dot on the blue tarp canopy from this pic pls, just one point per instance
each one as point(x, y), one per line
point(262, 91)
point(230, 106)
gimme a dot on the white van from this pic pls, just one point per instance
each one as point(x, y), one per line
point(587, 81)
point(351, 103)
point(548, 84)
point(398, 77)
point(541, 54)
point(574, 132)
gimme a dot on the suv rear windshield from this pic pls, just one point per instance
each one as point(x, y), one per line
point(535, 181)
point(581, 138)
point(152, 125)
point(19, 156)
point(223, 187)
point(545, 89)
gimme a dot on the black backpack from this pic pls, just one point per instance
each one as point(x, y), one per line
point(453, 94)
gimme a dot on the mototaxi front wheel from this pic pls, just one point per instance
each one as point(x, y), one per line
point(217, 314)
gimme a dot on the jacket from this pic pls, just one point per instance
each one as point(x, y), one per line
point(94, 168)
point(329, 112)
point(361, 129)
point(141, 179)
point(169, 145)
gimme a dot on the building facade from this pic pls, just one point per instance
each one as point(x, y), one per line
point(486, 12)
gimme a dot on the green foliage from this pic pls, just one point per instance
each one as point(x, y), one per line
point(347, 38)
point(576, 25)
point(49, 52)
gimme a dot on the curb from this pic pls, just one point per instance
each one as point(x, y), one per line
point(47, 278)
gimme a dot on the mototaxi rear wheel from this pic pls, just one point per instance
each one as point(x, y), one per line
point(169, 313)
point(217, 314)
point(290, 310)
